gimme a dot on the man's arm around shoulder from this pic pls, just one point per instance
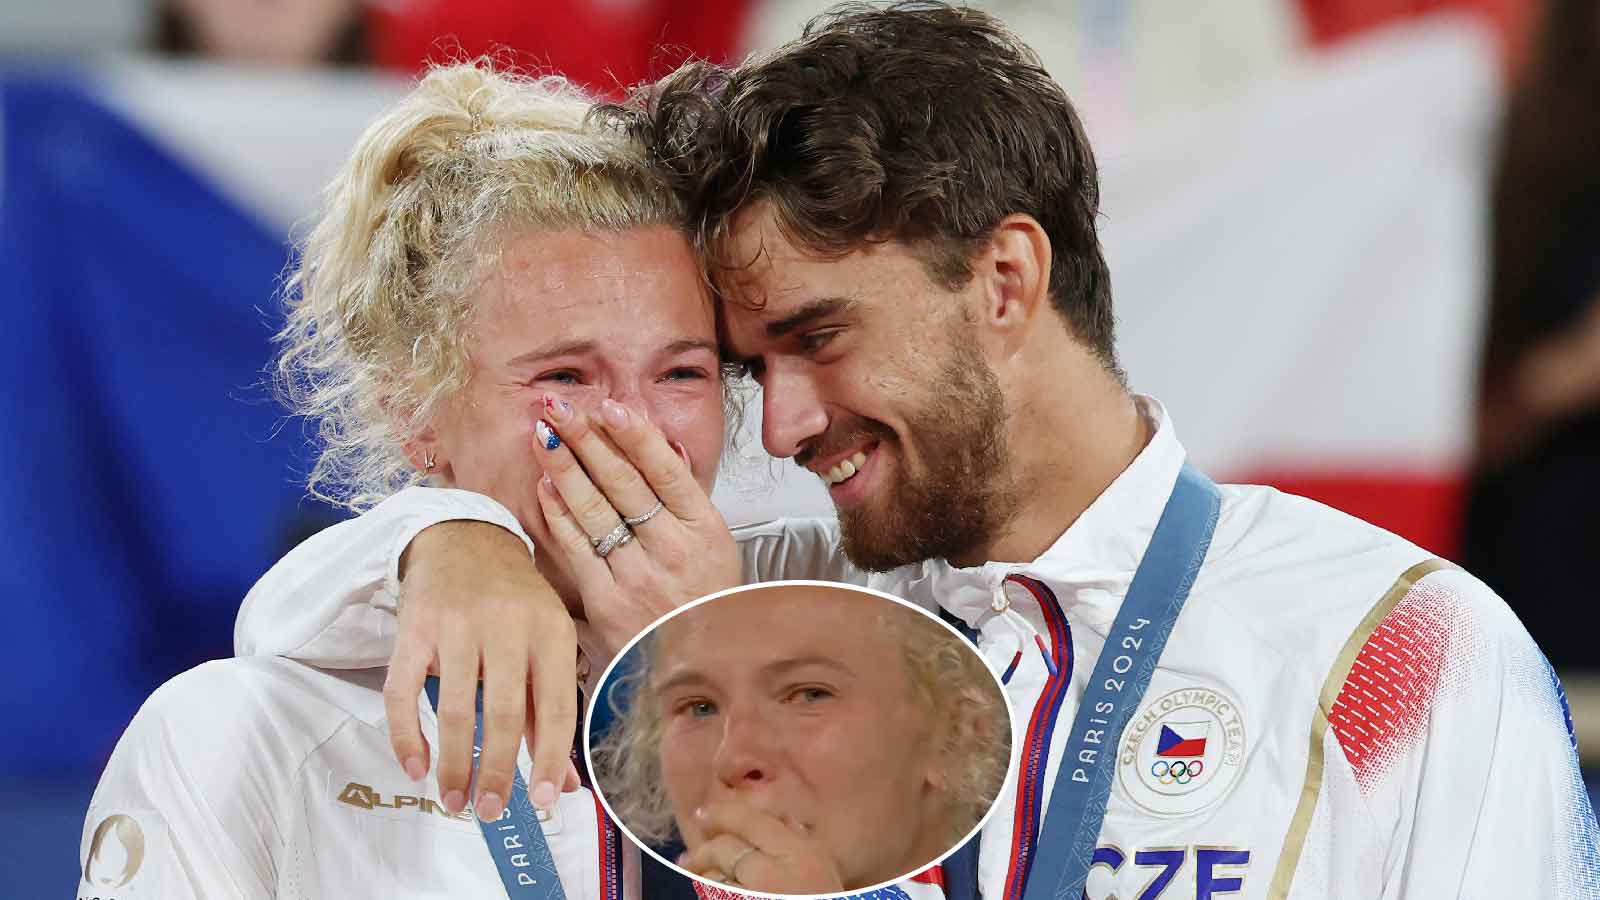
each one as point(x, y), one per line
point(332, 600)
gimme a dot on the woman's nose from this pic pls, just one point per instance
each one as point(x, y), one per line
point(629, 393)
point(745, 756)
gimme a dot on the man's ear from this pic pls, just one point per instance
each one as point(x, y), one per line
point(1015, 274)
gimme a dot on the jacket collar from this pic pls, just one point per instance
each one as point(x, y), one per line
point(1090, 566)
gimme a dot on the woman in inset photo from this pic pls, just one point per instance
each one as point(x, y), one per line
point(801, 738)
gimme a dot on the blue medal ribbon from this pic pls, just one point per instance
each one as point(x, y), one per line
point(515, 840)
point(1082, 787)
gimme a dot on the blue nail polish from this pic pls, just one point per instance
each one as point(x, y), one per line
point(546, 435)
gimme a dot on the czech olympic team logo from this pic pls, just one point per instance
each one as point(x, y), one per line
point(1182, 752)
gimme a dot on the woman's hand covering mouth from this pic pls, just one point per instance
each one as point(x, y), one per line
point(612, 470)
point(738, 844)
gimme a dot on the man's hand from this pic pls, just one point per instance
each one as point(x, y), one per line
point(746, 847)
point(473, 604)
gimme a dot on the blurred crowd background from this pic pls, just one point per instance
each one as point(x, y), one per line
point(1355, 247)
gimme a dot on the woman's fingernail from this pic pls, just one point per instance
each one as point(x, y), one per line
point(547, 482)
point(560, 411)
point(544, 795)
point(699, 812)
point(489, 806)
point(616, 414)
point(455, 802)
point(415, 770)
point(683, 452)
point(548, 439)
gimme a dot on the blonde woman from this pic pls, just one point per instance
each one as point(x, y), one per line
point(491, 267)
point(805, 738)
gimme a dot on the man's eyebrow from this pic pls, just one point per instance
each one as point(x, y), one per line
point(809, 312)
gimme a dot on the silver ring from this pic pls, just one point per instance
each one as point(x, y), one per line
point(619, 535)
point(733, 870)
point(640, 520)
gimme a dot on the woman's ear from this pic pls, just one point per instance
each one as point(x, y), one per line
point(954, 731)
point(423, 452)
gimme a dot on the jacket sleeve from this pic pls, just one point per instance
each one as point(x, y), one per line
point(185, 807)
point(1487, 791)
point(331, 601)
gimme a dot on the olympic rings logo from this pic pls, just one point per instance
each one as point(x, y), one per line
point(1180, 772)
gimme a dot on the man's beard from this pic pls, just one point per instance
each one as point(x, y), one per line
point(964, 498)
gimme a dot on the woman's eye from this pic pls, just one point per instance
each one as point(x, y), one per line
point(697, 709)
point(810, 694)
point(686, 373)
point(561, 376)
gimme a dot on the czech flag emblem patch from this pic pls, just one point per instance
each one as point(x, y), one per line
point(1182, 739)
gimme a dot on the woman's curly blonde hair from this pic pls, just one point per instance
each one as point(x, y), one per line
point(950, 682)
point(378, 312)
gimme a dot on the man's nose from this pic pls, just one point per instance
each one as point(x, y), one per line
point(745, 757)
point(792, 412)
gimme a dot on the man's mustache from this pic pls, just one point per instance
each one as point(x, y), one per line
point(837, 440)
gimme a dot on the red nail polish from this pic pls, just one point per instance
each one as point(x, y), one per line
point(558, 409)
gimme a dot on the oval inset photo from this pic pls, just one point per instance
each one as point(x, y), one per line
point(799, 738)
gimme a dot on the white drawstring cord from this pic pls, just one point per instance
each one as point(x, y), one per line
point(1023, 629)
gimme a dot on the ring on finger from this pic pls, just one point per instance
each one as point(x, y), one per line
point(640, 520)
point(733, 870)
point(616, 538)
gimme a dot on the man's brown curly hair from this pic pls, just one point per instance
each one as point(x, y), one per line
point(920, 122)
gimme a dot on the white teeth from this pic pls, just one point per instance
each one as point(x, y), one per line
point(845, 470)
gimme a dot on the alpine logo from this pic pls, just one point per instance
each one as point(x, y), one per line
point(362, 796)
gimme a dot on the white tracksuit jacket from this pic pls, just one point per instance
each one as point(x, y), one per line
point(1336, 715)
